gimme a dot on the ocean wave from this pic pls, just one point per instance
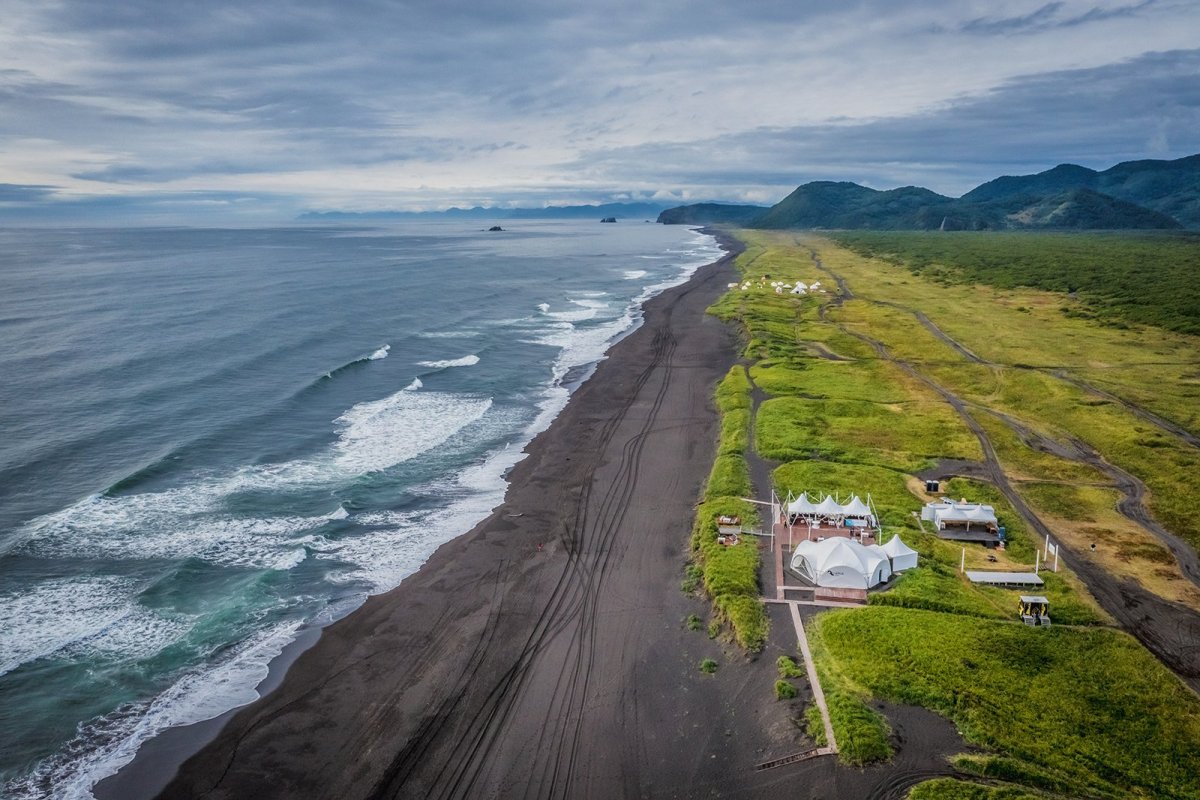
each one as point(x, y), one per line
point(376, 355)
point(382, 433)
point(464, 333)
point(412, 387)
point(635, 274)
point(103, 745)
point(199, 520)
point(465, 361)
point(94, 616)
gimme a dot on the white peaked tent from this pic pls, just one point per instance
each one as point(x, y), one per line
point(838, 563)
point(800, 288)
point(856, 508)
point(982, 514)
point(903, 557)
point(802, 507)
point(883, 566)
point(829, 507)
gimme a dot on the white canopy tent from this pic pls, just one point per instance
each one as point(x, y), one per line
point(830, 507)
point(948, 512)
point(802, 507)
point(856, 508)
point(838, 563)
point(902, 556)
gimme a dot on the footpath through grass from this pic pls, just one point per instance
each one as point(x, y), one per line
point(1066, 712)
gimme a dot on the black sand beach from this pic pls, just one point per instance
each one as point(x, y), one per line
point(544, 653)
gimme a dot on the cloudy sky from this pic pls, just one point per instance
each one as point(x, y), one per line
point(262, 109)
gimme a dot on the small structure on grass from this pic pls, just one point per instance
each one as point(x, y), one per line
point(902, 556)
point(963, 521)
point(1005, 578)
point(1035, 609)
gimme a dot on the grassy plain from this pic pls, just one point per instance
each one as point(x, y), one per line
point(841, 418)
point(1029, 345)
point(1146, 278)
point(1081, 712)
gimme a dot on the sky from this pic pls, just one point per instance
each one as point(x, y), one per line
point(264, 109)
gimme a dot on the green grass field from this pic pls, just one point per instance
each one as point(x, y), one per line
point(1146, 278)
point(1077, 710)
point(1090, 709)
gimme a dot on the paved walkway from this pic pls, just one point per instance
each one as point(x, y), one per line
point(814, 681)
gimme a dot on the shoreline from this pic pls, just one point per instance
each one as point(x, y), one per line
point(159, 759)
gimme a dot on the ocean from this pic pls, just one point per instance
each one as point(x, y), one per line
point(213, 438)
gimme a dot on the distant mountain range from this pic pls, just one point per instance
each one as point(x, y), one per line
point(622, 211)
point(1131, 195)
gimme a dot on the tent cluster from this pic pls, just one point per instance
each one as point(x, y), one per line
point(838, 563)
point(948, 512)
point(805, 510)
point(800, 287)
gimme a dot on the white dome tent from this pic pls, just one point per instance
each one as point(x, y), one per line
point(902, 556)
point(841, 564)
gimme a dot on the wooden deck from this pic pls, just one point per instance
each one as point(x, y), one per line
point(789, 535)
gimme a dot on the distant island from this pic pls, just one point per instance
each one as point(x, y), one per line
point(609, 219)
point(1138, 195)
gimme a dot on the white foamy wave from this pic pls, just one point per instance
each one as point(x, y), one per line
point(412, 387)
point(380, 353)
point(387, 517)
point(386, 432)
point(90, 616)
point(186, 522)
point(544, 307)
point(576, 315)
point(103, 745)
point(197, 520)
point(340, 513)
point(465, 333)
point(465, 361)
point(635, 274)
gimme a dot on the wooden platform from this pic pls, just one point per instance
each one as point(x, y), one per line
point(826, 594)
point(799, 533)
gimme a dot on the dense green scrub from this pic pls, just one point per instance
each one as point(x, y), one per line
point(1148, 278)
point(729, 574)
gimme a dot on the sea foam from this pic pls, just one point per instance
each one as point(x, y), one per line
point(465, 361)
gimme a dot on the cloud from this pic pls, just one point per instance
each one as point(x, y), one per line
point(365, 103)
point(20, 193)
point(1026, 125)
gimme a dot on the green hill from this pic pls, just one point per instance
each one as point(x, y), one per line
point(826, 204)
point(1168, 187)
point(708, 213)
